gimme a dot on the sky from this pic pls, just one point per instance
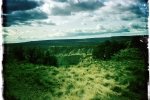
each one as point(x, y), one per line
point(33, 20)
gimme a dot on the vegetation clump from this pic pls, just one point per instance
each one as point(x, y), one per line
point(34, 55)
point(107, 49)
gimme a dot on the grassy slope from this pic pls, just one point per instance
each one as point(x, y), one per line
point(88, 80)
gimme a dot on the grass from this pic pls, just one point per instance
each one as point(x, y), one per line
point(89, 80)
point(78, 77)
point(75, 82)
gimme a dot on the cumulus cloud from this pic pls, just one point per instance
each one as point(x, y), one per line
point(73, 18)
point(76, 7)
point(24, 10)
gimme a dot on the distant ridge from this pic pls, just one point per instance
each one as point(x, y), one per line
point(73, 42)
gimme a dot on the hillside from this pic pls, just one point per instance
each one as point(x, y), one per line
point(72, 42)
point(71, 69)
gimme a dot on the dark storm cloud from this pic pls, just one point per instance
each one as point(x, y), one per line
point(90, 5)
point(23, 16)
point(146, 1)
point(76, 7)
point(141, 9)
point(136, 9)
point(20, 11)
point(15, 5)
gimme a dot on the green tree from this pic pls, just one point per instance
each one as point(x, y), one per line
point(107, 49)
point(49, 59)
point(19, 53)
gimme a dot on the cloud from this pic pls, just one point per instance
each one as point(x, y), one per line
point(83, 33)
point(119, 6)
point(17, 5)
point(100, 30)
point(87, 18)
point(71, 7)
point(41, 23)
point(60, 11)
point(61, 0)
point(18, 17)
point(87, 5)
point(138, 26)
point(20, 11)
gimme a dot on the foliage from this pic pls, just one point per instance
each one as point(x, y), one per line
point(69, 59)
point(128, 54)
point(132, 57)
point(107, 49)
point(34, 55)
point(19, 53)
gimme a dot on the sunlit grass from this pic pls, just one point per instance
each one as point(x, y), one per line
point(73, 83)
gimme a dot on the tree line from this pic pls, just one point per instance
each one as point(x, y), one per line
point(107, 49)
point(34, 55)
